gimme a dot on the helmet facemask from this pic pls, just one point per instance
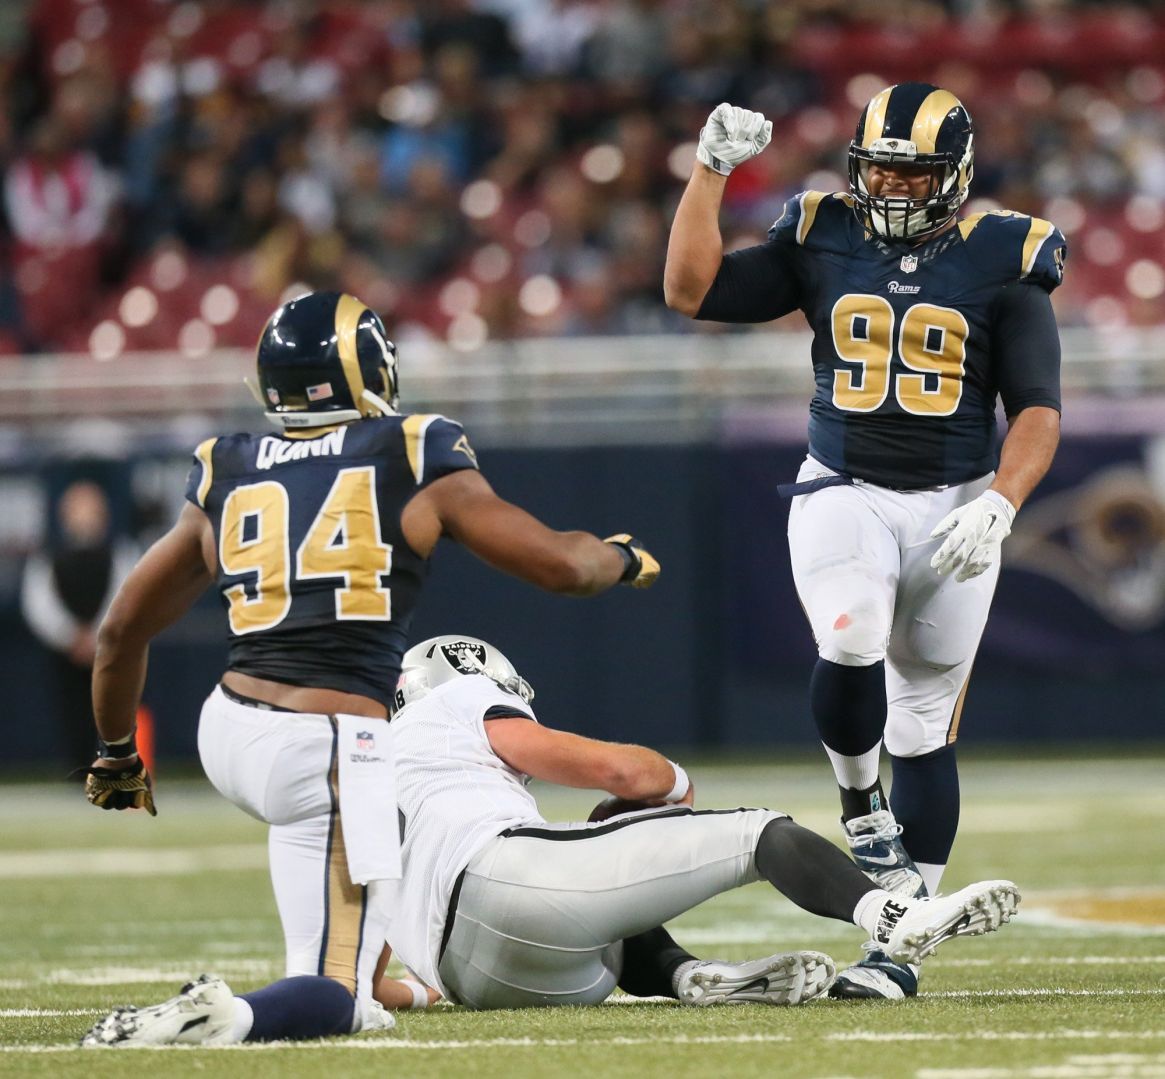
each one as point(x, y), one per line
point(898, 218)
point(915, 126)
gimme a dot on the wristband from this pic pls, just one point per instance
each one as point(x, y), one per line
point(631, 564)
point(681, 785)
point(420, 995)
point(118, 749)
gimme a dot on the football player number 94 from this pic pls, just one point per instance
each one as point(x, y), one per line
point(343, 542)
point(931, 343)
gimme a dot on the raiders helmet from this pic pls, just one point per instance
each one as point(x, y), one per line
point(912, 123)
point(431, 663)
point(325, 358)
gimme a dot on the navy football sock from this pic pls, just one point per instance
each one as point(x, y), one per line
point(295, 1008)
point(925, 797)
point(849, 705)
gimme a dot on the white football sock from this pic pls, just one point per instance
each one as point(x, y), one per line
point(243, 1021)
point(857, 773)
point(932, 875)
point(680, 971)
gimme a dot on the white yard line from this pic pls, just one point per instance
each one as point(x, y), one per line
point(1099, 1066)
point(131, 863)
point(401, 1044)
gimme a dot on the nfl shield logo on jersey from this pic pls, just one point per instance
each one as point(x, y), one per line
point(909, 263)
point(365, 740)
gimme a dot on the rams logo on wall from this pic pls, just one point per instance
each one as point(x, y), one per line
point(1103, 540)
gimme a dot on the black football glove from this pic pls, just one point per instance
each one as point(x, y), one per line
point(642, 568)
point(128, 787)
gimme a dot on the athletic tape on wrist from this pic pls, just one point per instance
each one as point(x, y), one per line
point(420, 995)
point(681, 784)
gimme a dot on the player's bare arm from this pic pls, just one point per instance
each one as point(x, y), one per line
point(1032, 438)
point(635, 773)
point(465, 507)
point(161, 588)
point(695, 249)
point(973, 534)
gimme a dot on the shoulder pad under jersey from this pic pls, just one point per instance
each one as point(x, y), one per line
point(1016, 247)
point(816, 219)
point(435, 446)
point(216, 460)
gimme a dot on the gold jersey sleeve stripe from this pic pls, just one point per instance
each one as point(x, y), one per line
point(967, 225)
point(203, 453)
point(1037, 234)
point(810, 202)
point(348, 312)
point(414, 428)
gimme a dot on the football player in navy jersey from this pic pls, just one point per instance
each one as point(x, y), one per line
point(317, 539)
point(921, 320)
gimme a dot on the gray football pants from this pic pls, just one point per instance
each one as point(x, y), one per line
point(542, 912)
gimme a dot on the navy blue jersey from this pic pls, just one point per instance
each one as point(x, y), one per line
point(912, 344)
point(317, 579)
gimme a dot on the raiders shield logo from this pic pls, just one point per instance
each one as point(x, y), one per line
point(467, 658)
point(909, 263)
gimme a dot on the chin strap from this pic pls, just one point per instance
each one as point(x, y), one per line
point(378, 403)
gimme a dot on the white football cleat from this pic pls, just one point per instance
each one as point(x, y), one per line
point(377, 1017)
point(875, 846)
point(791, 978)
point(202, 1013)
point(910, 930)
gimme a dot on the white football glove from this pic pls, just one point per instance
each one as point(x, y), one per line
point(731, 136)
point(974, 533)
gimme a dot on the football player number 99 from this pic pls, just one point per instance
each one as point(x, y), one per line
point(343, 542)
point(931, 344)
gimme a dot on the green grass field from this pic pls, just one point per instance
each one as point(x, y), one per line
point(101, 909)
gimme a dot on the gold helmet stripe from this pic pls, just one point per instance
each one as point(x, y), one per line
point(348, 312)
point(929, 118)
point(1037, 234)
point(876, 116)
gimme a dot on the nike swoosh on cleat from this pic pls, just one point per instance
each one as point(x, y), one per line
point(193, 1023)
point(760, 984)
point(888, 859)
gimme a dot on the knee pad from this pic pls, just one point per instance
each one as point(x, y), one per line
point(856, 637)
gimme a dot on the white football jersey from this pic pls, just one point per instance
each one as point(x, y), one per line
point(455, 795)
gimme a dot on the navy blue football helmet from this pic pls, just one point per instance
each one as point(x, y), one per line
point(325, 358)
point(912, 123)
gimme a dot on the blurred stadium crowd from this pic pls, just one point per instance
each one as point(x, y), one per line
point(490, 169)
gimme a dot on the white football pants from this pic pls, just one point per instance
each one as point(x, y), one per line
point(861, 563)
point(543, 911)
point(281, 768)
